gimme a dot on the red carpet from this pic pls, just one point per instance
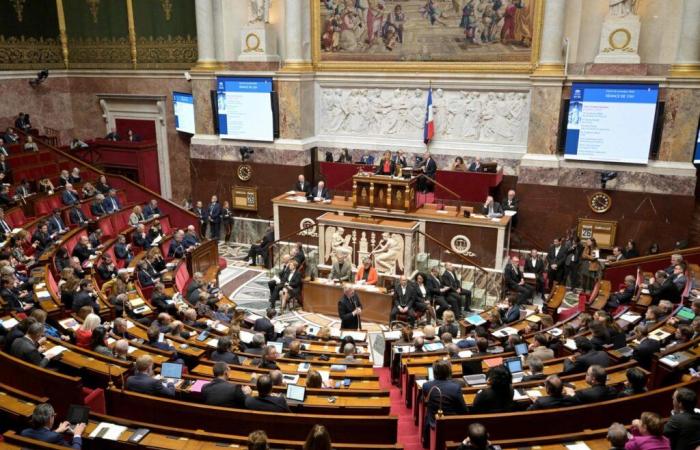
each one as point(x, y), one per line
point(408, 433)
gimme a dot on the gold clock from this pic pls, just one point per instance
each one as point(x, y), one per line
point(245, 172)
point(600, 202)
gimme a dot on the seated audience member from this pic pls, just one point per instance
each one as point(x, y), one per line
point(265, 401)
point(143, 381)
point(22, 123)
point(85, 296)
point(458, 165)
point(97, 206)
point(121, 350)
point(585, 357)
point(475, 165)
point(442, 393)
point(477, 439)
point(294, 351)
point(78, 217)
point(30, 145)
point(113, 135)
point(318, 439)
point(539, 347)
point(136, 216)
point(77, 144)
point(555, 397)
point(302, 185)
point(366, 273)
point(151, 209)
point(257, 345)
point(70, 195)
point(661, 287)
point(106, 269)
point(74, 177)
point(636, 382)
point(515, 281)
point(536, 368)
point(6, 201)
point(257, 440)
point(349, 353)
point(264, 325)
point(83, 250)
point(122, 250)
point(320, 192)
point(512, 313)
point(314, 380)
point(223, 352)
point(102, 185)
point(177, 248)
point(596, 377)
point(111, 202)
point(341, 270)
point(132, 137)
point(404, 299)
point(449, 325)
point(617, 436)
point(647, 433)
point(491, 208)
point(644, 351)
point(83, 334)
point(269, 358)
point(17, 300)
point(98, 342)
point(221, 392)
point(40, 428)
point(498, 396)
point(29, 346)
point(683, 428)
point(624, 295)
point(88, 190)
point(191, 239)
point(10, 136)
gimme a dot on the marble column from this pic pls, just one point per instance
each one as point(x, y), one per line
point(551, 56)
point(688, 55)
point(204, 15)
point(294, 57)
point(218, 24)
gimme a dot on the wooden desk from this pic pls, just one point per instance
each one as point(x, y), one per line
point(322, 298)
point(384, 191)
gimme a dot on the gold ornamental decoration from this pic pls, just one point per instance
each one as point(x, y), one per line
point(252, 43)
point(18, 5)
point(167, 9)
point(94, 6)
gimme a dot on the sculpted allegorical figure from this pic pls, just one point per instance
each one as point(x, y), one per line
point(259, 11)
point(622, 8)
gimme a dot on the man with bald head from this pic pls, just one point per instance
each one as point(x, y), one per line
point(404, 300)
point(302, 185)
point(142, 381)
point(350, 310)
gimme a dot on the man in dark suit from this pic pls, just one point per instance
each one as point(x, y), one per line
point(456, 296)
point(113, 135)
point(585, 357)
point(683, 428)
point(429, 167)
point(28, 347)
point(535, 265)
point(139, 237)
point(257, 345)
point(5, 228)
point(515, 281)
point(302, 185)
point(223, 353)
point(491, 208)
point(404, 299)
point(400, 159)
point(6, 201)
point(663, 288)
point(442, 393)
point(264, 325)
point(41, 238)
point(111, 202)
point(437, 292)
point(264, 401)
point(5, 170)
point(596, 377)
point(144, 383)
point(85, 297)
point(41, 423)
point(511, 203)
point(70, 195)
point(320, 191)
point(220, 392)
point(262, 247)
point(644, 351)
point(624, 295)
point(83, 250)
point(106, 269)
point(556, 256)
point(201, 213)
point(475, 165)
point(177, 247)
point(56, 225)
point(191, 239)
point(151, 209)
point(77, 216)
point(97, 207)
point(214, 217)
point(555, 397)
point(350, 310)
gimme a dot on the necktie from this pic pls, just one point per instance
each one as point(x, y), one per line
point(5, 227)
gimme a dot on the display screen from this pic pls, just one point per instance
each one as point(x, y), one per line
point(244, 108)
point(183, 105)
point(611, 122)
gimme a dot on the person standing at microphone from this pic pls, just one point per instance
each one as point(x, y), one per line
point(349, 310)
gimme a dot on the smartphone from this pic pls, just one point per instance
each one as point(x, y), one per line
point(346, 382)
point(161, 337)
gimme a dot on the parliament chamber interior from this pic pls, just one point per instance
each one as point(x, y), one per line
point(350, 224)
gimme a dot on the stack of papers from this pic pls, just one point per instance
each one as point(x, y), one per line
point(198, 385)
point(659, 335)
point(9, 323)
point(53, 351)
point(475, 320)
point(213, 342)
point(577, 446)
point(108, 431)
point(392, 335)
point(630, 317)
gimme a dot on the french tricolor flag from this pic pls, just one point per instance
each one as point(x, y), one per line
point(429, 126)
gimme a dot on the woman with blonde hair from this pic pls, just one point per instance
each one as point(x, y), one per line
point(83, 334)
point(449, 325)
point(136, 216)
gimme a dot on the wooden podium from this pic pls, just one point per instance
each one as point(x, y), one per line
point(384, 192)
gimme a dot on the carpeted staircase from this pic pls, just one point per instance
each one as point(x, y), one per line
point(408, 434)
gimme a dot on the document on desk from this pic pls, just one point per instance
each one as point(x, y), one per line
point(630, 317)
point(510, 213)
point(580, 445)
point(109, 431)
point(198, 385)
point(53, 351)
point(9, 323)
point(392, 335)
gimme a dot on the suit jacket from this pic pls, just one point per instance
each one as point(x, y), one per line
point(513, 276)
point(535, 266)
point(345, 308)
point(512, 314)
point(82, 252)
point(214, 212)
point(666, 291)
point(105, 272)
point(111, 204)
point(451, 399)
point(489, 401)
point(264, 325)
point(26, 350)
point(144, 384)
point(120, 251)
point(510, 205)
point(269, 403)
point(380, 168)
point(294, 281)
point(597, 393)
point(176, 249)
point(222, 393)
point(495, 206)
point(644, 352)
point(542, 352)
point(450, 279)
point(69, 198)
point(324, 194)
point(433, 286)
point(342, 274)
point(548, 402)
point(474, 167)
point(430, 168)
point(159, 301)
point(56, 224)
point(97, 209)
point(227, 357)
point(77, 216)
point(583, 362)
point(406, 299)
point(81, 299)
point(145, 278)
point(683, 430)
point(12, 299)
point(149, 211)
point(303, 187)
point(140, 240)
point(190, 240)
point(51, 437)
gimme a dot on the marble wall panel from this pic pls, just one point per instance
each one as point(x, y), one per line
point(680, 124)
point(544, 120)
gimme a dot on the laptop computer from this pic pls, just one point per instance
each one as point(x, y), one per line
point(521, 349)
point(171, 371)
point(685, 313)
point(295, 394)
point(278, 345)
point(77, 414)
point(515, 366)
point(472, 367)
